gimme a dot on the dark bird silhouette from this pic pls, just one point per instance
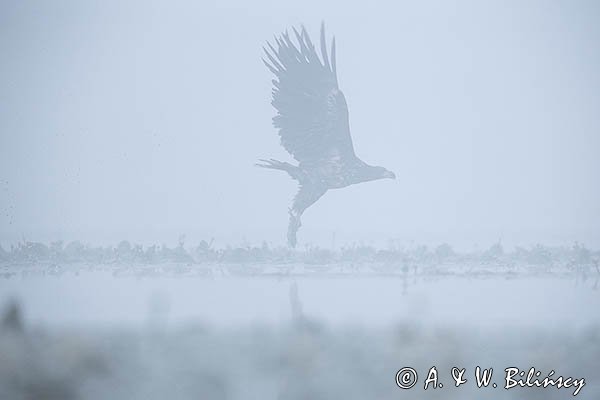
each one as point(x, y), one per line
point(312, 118)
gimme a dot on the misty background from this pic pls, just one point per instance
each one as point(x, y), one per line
point(128, 134)
point(142, 121)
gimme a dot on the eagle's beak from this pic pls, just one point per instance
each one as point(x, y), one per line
point(389, 174)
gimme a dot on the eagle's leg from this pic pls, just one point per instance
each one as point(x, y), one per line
point(306, 196)
point(293, 227)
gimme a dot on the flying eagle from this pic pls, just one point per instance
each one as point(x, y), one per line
point(312, 118)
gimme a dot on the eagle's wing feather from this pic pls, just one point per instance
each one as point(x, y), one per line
point(312, 114)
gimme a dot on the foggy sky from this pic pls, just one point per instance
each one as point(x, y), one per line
point(142, 120)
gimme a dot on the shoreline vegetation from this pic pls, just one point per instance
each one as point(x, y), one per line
point(439, 260)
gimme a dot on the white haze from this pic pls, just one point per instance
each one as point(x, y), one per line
point(142, 121)
point(128, 134)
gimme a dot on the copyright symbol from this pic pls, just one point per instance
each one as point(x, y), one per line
point(406, 378)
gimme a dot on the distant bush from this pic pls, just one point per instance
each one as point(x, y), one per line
point(204, 252)
point(495, 252)
point(444, 252)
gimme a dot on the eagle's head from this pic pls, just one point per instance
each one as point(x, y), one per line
point(387, 174)
point(372, 173)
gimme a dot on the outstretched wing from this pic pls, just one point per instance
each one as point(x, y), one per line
point(312, 115)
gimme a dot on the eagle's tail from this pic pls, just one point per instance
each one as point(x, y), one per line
point(292, 170)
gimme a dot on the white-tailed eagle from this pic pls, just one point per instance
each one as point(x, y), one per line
point(312, 118)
